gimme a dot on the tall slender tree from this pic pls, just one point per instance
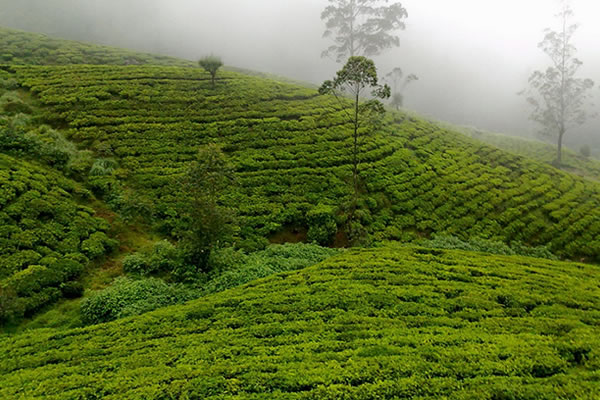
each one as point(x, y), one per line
point(557, 95)
point(356, 79)
point(362, 27)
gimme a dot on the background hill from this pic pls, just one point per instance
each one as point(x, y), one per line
point(385, 323)
point(20, 47)
point(573, 161)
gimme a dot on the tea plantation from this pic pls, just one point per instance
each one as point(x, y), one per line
point(545, 152)
point(289, 147)
point(20, 47)
point(387, 323)
point(47, 237)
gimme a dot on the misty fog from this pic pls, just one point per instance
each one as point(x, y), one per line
point(472, 56)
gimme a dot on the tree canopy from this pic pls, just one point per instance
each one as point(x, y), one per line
point(558, 96)
point(362, 27)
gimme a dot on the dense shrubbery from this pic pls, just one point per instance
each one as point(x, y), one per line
point(288, 148)
point(127, 297)
point(46, 237)
point(230, 268)
point(487, 246)
point(370, 324)
point(162, 257)
point(235, 268)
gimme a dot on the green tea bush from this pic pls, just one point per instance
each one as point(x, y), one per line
point(127, 297)
point(46, 236)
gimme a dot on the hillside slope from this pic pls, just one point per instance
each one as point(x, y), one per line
point(290, 149)
point(26, 48)
point(47, 236)
point(388, 323)
point(540, 151)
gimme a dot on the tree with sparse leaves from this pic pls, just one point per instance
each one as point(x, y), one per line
point(557, 95)
point(362, 27)
point(211, 64)
point(356, 79)
point(399, 82)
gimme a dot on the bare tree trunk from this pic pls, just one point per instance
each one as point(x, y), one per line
point(560, 139)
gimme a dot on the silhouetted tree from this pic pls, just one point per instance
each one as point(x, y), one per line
point(356, 79)
point(558, 97)
point(398, 83)
point(211, 64)
point(362, 27)
point(208, 224)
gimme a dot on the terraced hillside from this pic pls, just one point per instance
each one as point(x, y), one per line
point(385, 323)
point(289, 146)
point(20, 47)
point(47, 237)
point(536, 150)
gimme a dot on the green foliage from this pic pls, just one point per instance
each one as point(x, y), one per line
point(236, 268)
point(46, 237)
point(33, 49)
point(386, 323)
point(540, 151)
point(322, 224)
point(487, 246)
point(288, 148)
point(211, 64)
point(127, 297)
point(207, 224)
point(162, 257)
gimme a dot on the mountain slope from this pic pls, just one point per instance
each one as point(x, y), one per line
point(540, 151)
point(290, 150)
point(386, 323)
point(26, 48)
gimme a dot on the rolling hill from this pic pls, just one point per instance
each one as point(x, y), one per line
point(19, 47)
point(85, 129)
point(290, 150)
point(540, 151)
point(387, 323)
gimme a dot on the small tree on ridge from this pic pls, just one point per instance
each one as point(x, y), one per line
point(211, 64)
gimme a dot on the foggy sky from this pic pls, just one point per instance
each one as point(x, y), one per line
point(472, 56)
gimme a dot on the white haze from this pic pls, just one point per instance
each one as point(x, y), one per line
point(472, 56)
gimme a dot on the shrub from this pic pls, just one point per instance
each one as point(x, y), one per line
point(322, 225)
point(127, 297)
point(72, 290)
point(162, 257)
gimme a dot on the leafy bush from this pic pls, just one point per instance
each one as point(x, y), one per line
point(272, 260)
point(487, 246)
point(127, 297)
point(322, 225)
point(162, 257)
